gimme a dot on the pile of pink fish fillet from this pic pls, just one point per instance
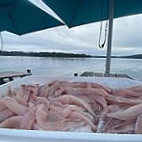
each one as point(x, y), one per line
point(63, 105)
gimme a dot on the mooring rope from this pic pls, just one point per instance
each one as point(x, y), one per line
point(101, 45)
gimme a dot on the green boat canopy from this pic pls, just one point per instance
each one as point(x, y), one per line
point(78, 12)
point(21, 17)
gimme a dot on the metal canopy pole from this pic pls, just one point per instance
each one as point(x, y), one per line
point(109, 44)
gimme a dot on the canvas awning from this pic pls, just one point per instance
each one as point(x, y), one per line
point(21, 17)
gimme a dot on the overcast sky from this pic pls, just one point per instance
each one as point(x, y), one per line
point(127, 37)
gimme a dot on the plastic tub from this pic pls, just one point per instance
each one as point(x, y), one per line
point(13, 135)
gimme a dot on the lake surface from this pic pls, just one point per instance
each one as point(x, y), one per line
point(68, 66)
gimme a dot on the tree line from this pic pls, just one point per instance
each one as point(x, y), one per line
point(41, 54)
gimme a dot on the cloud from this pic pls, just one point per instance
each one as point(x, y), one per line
point(83, 39)
point(127, 31)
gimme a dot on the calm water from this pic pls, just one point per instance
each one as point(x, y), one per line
point(68, 66)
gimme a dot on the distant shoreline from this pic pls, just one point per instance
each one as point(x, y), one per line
point(62, 55)
point(42, 54)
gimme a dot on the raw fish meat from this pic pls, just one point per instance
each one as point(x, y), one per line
point(70, 106)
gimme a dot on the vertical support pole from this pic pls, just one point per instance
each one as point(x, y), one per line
point(109, 43)
point(2, 42)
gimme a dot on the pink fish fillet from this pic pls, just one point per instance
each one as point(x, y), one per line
point(43, 90)
point(23, 93)
point(69, 109)
point(21, 101)
point(126, 129)
point(14, 106)
point(77, 115)
point(34, 89)
point(112, 108)
point(73, 125)
point(101, 100)
point(49, 89)
point(28, 119)
point(41, 115)
point(52, 121)
point(48, 120)
point(39, 100)
point(130, 113)
point(89, 92)
point(53, 88)
point(35, 126)
point(127, 92)
point(105, 122)
point(122, 100)
point(12, 122)
point(57, 109)
point(138, 125)
point(90, 85)
point(2, 106)
point(99, 86)
point(5, 114)
point(61, 91)
point(78, 84)
point(123, 124)
point(69, 99)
